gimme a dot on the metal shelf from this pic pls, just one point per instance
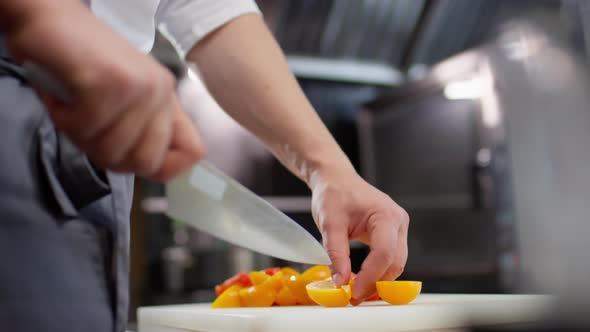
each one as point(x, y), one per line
point(342, 70)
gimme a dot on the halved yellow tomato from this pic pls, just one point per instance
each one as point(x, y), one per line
point(398, 292)
point(326, 293)
point(296, 285)
point(258, 277)
point(317, 273)
point(285, 297)
point(257, 296)
point(228, 299)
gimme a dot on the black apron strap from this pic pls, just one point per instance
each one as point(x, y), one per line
point(8, 68)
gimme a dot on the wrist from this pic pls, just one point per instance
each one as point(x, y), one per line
point(329, 168)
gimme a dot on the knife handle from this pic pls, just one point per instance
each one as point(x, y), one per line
point(44, 80)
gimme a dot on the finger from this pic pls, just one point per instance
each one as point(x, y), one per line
point(111, 149)
point(175, 162)
point(125, 89)
point(396, 269)
point(148, 155)
point(186, 138)
point(61, 114)
point(335, 238)
point(364, 238)
point(186, 148)
point(70, 117)
point(383, 235)
point(50, 102)
point(401, 256)
point(100, 120)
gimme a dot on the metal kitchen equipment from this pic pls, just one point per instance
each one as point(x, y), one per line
point(520, 104)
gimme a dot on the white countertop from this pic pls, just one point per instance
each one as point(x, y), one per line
point(440, 312)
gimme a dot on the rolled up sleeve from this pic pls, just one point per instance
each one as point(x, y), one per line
point(188, 21)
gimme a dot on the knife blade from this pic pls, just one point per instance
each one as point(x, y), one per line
point(211, 201)
point(207, 199)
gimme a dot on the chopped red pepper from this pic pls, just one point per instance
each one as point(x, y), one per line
point(241, 279)
point(272, 270)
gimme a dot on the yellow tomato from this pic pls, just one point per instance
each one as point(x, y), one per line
point(277, 281)
point(285, 297)
point(258, 277)
point(257, 296)
point(228, 299)
point(398, 292)
point(317, 273)
point(289, 271)
point(326, 293)
point(296, 285)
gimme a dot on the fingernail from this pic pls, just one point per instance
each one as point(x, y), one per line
point(337, 278)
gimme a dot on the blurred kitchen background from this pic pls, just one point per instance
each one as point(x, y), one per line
point(419, 94)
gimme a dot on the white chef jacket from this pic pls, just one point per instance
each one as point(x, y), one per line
point(183, 21)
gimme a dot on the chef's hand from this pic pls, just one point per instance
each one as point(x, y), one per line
point(345, 207)
point(124, 111)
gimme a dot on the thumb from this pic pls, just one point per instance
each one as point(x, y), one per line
point(337, 245)
point(186, 148)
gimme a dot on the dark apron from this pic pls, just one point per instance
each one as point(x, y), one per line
point(64, 225)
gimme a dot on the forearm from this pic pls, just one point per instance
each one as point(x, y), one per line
point(41, 31)
point(16, 15)
point(246, 72)
point(12, 13)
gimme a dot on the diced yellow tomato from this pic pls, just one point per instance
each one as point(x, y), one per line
point(257, 296)
point(398, 292)
point(317, 273)
point(228, 299)
point(285, 286)
point(277, 281)
point(285, 297)
point(258, 277)
point(289, 271)
point(326, 293)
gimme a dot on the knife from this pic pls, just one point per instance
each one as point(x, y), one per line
point(214, 203)
point(207, 199)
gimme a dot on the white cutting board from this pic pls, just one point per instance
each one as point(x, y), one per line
point(441, 312)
